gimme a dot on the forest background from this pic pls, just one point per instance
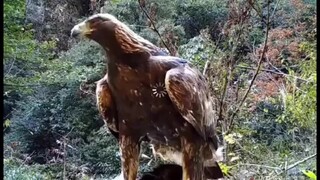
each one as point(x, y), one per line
point(259, 57)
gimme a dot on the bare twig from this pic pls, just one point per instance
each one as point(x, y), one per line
point(259, 11)
point(229, 72)
point(274, 72)
point(274, 10)
point(20, 85)
point(261, 166)
point(256, 72)
point(222, 98)
point(27, 158)
point(205, 67)
point(64, 159)
point(65, 153)
point(11, 66)
point(301, 161)
point(286, 168)
point(154, 26)
point(224, 93)
point(208, 61)
point(280, 72)
point(243, 149)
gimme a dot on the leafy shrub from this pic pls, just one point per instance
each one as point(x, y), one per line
point(300, 97)
point(102, 153)
point(13, 170)
point(194, 16)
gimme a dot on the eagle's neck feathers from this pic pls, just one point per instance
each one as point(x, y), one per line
point(130, 42)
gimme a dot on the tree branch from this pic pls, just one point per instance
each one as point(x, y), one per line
point(154, 27)
point(299, 162)
point(272, 71)
point(256, 72)
point(206, 66)
point(263, 166)
point(21, 85)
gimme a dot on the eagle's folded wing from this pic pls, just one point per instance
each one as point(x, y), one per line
point(187, 90)
point(106, 106)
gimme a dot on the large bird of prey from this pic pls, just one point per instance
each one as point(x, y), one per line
point(147, 95)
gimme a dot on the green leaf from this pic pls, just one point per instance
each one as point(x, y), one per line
point(6, 123)
point(310, 174)
point(225, 168)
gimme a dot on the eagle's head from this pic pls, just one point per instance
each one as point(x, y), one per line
point(97, 27)
point(111, 33)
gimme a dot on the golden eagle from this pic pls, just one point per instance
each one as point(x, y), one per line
point(148, 95)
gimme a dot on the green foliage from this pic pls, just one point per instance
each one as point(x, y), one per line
point(24, 57)
point(57, 107)
point(13, 170)
point(225, 169)
point(101, 153)
point(300, 99)
point(194, 16)
point(198, 50)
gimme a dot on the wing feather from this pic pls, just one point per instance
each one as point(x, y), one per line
point(189, 93)
point(106, 106)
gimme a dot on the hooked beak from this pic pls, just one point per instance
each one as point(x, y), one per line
point(80, 29)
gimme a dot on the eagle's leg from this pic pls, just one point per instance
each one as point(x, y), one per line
point(130, 150)
point(192, 160)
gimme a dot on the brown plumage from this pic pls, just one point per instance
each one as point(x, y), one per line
point(147, 95)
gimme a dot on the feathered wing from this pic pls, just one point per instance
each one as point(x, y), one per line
point(189, 93)
point(106, 106)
